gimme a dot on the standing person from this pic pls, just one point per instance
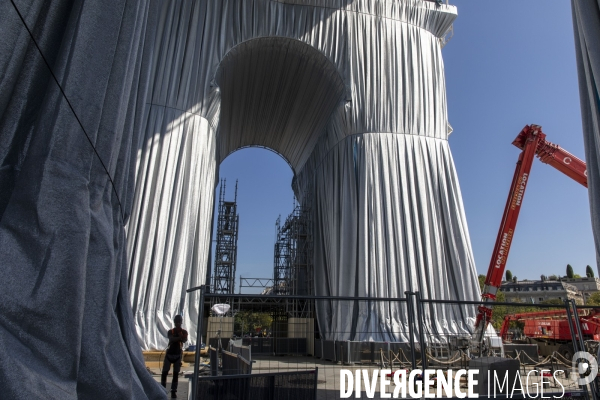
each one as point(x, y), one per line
point(177, 337)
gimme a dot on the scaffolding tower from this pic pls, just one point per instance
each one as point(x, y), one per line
point(293, 259)
point(226, 248)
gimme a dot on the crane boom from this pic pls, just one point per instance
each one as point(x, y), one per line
point(532, 141)
point(557, 157)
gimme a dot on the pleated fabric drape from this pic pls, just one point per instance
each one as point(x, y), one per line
point(391, 223)
point(169, 229)
point(321, 83)
point(66, 326)
point(350, 92)
point(586, 23)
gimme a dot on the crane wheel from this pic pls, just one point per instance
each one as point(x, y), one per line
point(566, 351)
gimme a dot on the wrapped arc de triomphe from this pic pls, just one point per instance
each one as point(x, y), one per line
point(352, 95)
point(107, 181)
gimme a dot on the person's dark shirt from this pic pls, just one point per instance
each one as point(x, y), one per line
point(177, 337)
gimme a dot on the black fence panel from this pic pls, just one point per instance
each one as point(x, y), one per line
point(297, 385)
point(286, 346)
point(368, 352)
point(438, 336)
point(318, 348)
point(329, 350)
point(214, 342)
point(259, 345)
point(244, 351)
point(244, 365)
point(527, 353)
point(229, 363)
point(214, 361)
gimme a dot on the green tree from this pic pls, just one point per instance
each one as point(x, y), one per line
point(500, 311)
point(249, 321)
point(570, 273)
point(508, 275)
point(481, 281)
point(589, 272)
point(594, 299)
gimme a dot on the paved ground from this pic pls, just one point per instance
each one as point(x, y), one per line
point(183, 382)
point(329, 376)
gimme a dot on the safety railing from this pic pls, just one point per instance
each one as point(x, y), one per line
point(337, 334)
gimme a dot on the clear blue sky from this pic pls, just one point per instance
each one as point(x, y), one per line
point(509, 64)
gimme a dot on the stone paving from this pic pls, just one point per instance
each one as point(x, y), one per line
point(183, 386)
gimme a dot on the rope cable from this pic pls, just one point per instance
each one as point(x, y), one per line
point(71, 107)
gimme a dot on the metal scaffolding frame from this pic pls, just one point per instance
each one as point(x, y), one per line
point(293, 259)
point(265, 283)
point(226, 247)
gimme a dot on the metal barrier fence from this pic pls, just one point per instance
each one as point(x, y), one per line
point(214, 361)
point(229, 362)
point(276, 346)
point(244, 365)
point(299, 385)
point(214, 342)
point(259, 345)
point(291, 334)
point(236, 346)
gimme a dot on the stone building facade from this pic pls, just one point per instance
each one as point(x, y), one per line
point(537, 291)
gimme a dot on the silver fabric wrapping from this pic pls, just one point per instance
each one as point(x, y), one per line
point(66, 327)
point(173, 205)
point(321, 83)
point(586, 23)
point(158, 87)
point(391, 224)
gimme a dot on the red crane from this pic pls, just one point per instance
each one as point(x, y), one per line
point(532, 141)
point(551, 332)
point(534, 321)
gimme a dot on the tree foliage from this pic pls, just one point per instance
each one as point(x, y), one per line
point(509, 275)
point(249, 321)
point(594, 299)
point(500, 311)
point(570, 273)
point(589, 272)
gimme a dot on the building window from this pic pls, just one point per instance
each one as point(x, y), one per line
point(541, 299)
